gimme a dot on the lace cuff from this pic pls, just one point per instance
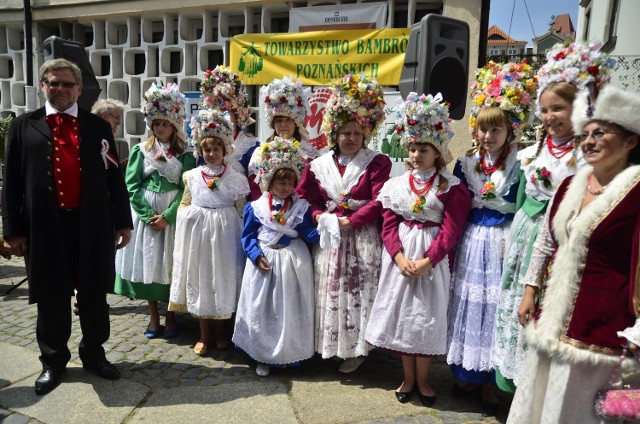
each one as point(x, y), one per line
point(543, 249)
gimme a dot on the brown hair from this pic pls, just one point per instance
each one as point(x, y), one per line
point(296, 133)
point(567, 92)
point(284, 174)
point(212, 141)
point(439, 164)
point(493, 116)
point(176, 145)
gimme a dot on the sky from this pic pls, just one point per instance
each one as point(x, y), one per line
point(540, 12)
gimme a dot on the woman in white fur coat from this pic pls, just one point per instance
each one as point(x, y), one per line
point(590, 235)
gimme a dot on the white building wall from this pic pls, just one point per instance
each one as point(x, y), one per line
point(626, 50)
point(131, 43)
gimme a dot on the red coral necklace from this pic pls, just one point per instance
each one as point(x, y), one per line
point(559, 151)
point(488, 170)
point(427, 185)
point(206, 177)
point(284, 207)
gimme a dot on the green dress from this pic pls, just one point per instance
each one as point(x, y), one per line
point(143, 267)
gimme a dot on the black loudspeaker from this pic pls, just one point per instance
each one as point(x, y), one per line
point(58, 48)
point(437, 61)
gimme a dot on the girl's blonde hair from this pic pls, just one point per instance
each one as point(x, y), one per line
point(176, 144)
point(493, 116)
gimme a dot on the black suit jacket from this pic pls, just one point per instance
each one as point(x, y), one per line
point(30, 207)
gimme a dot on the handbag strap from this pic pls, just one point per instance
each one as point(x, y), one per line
point(616, 371)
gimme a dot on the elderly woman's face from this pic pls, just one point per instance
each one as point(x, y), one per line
point(604, 144)
point(350, 138)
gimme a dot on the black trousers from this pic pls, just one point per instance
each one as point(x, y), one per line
point(53, 328)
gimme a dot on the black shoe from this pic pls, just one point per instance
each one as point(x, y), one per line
point(490, 408)
point(403, 397)
point(104, 369)
point(427, 400)
point(48, 380)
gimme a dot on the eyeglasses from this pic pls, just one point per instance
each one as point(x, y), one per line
point(595, 134)
point(58, 84)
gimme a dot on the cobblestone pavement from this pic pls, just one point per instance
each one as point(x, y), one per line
point(162, 364)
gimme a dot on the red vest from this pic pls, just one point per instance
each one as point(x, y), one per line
point(65, 130)
point(603, 303)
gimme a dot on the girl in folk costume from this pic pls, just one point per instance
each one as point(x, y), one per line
point(286, 102)
point(544, 166)
point(491, 172)
point(222, 90)
point(588, 244)
point(342, 187)
point(274, 323)
point(424, 214)
point(153, 177)
point(285, 107)
point(208, 260)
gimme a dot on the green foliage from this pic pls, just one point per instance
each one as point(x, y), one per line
point(5, 122)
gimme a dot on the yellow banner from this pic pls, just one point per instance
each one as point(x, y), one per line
point(320, 57)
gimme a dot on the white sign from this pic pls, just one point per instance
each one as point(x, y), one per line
point(346, 16)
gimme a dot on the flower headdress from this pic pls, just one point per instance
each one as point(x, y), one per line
point(510, 87)
point(211, 123)
point(276, 154)
point(354, 98)
point(424, 119)
point(222, 89)
point(286, 97)
point(579, 64)
point(165, 102)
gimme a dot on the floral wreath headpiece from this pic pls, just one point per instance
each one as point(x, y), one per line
point(353, 98)
point(424, 119)
point(584, 66)
point(276, 154)
point(165, 102)
point(510, 87)
point(286, 97)
point(222, 89)
point(211, 123)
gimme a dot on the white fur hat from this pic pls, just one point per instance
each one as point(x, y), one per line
point(612, 105)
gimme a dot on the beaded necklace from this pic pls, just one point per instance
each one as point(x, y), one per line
point(427, 185)
point(212, 180)
point(593, 191)
point(490, 169)
point(559, 151)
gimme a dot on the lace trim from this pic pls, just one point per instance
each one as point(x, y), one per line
point(171, 168)
point(503, 179)
point(232, 186)
point(560, 169)
point(271, 231)
point(242, 144)
point(398, 196)
point(335, 185)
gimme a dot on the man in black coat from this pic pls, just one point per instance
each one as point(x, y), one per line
point(65, 207)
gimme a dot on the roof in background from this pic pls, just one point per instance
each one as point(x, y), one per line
point(498, 36)
point(563, 25)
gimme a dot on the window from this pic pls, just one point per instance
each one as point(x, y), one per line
point(587, 23)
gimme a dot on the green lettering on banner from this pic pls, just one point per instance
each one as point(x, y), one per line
point(320, 71)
